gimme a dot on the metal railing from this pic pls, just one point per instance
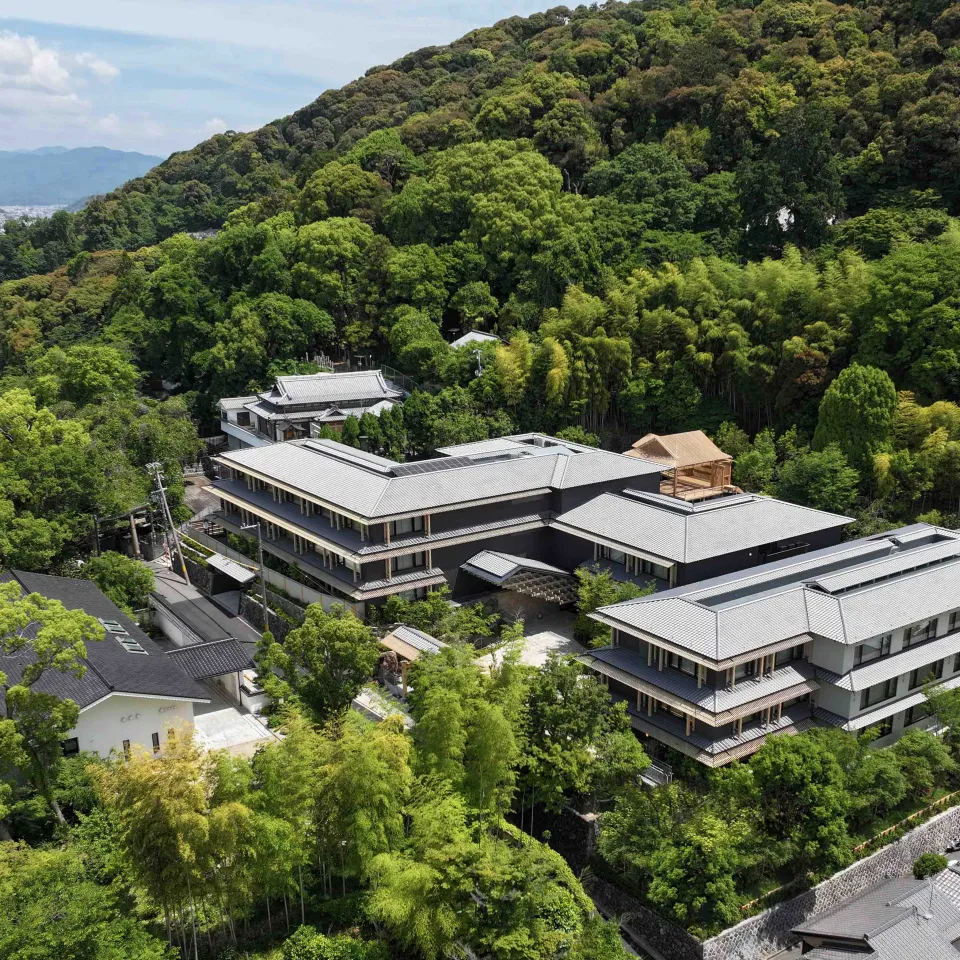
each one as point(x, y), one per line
point(659, 773)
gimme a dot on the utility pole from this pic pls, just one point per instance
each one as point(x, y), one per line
point(263, 575)
point(168, 517)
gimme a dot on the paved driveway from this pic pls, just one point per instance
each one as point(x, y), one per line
point(221, 725)
point(548, 629)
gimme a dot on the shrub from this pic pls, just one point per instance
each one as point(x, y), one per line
point(927, 864)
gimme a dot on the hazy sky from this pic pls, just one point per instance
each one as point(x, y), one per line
point(160, 76)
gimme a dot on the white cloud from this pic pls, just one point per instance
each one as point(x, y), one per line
point(109, 124)
point(214, 125)
point(99, 67)
point(25, 65)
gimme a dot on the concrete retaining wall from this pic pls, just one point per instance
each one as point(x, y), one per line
point(768, 932)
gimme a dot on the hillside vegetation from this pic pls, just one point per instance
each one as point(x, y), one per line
point(678, 214)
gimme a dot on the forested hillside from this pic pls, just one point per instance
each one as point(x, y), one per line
point(678, 215)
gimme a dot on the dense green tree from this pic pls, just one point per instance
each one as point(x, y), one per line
point(856, 415)
point(820, 479)
point(40, 638)
point(323, 663)
point(693, 879)
point(125, 581)
point(52, 910)
point(599, 590)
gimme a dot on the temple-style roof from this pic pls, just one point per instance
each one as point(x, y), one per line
point(678, 450)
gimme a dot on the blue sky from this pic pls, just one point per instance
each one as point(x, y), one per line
point(161, 76)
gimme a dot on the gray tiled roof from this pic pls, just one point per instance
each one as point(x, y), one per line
point(366, 486)
point(110, 668)
point(795, 718)
point(735, 614)
point(894, 665)
point(417, 638)
point(214, 659)
point(901, 919)
point(404, 581)
point(337, 414)
point(498, 567)
point(474, 336)
point(496, 445)
point(332, 388)
point(686, 532)
point(788, 680)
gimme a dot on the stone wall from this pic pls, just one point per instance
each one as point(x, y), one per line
point(573, 835)
point(644, 924)
point(200, 577)
point(251, 609)
point(768, 932)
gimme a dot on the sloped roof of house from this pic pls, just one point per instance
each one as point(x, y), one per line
point(678, 449)
point(111, 667)
point(474, 336)
point(410, 642)
point(901, 919)
point(332, 388)
point(212, 659)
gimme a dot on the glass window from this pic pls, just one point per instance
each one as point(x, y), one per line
point(873, 649)
point(243, 418)
point(155, 737)
point(915, 714)
point(922, 675)
point(70, 747)
point(614, 556)
point(747, 669)
point(787, 656)
point(410, 561)
point(954, 621)
point(126, 749)
point(681, 663)
point(878, 693)
point(920, 632)
point(655, 569)
point(407, 525)
point(884, 727)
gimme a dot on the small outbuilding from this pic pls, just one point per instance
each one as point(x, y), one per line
point(694, 466)
point(408, 643)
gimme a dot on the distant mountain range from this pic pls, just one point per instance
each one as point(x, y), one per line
point(58, 175)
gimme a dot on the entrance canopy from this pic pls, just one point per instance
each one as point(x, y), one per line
point(522, 575)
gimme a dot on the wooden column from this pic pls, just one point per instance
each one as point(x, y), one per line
point(386, 533)
point(389, 569)
point(649, 653)
point(426, 524)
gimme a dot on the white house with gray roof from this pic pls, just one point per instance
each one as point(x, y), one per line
point(846, 636)
point(298, 406)
point(130, 693)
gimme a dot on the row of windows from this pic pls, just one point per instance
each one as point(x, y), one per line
point(71, 747)
point(635, 565)
point(878, 647)
point(922, 675)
